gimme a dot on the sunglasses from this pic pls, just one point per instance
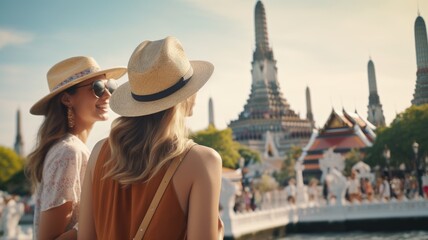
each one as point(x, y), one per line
point(99, 87)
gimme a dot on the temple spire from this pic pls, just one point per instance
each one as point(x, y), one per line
point(309, 114)
point(372, 77)
point(261, 27)
point(420, 95)
point(19, 143)
point(263, 50)
point(421, 43)
point(374, 112)
point(211, 112)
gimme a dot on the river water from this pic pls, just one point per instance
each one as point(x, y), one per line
point(413, 235)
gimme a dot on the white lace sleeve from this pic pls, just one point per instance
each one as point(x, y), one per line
point(61, 177)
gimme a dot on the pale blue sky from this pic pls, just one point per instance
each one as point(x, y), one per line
point(323, 44)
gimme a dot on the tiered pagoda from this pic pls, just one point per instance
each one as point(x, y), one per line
point(268, 124)
point(340, 134)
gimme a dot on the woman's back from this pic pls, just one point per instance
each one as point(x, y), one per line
point(118, 211)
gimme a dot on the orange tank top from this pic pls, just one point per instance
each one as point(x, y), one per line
point(118, 211)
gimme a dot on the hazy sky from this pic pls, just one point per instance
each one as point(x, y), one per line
point(323, 44)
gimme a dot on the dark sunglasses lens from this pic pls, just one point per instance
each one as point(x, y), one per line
point(98, 87)
point(111, 85)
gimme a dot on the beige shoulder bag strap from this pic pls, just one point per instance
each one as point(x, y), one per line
point(158, 195)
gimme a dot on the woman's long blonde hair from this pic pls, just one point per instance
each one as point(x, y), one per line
point(141, 146)
point(53, 128)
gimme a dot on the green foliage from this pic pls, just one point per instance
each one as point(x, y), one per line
point(287, 170)
point(18, 184)
point(248, 154)
point(222, 141)
point(352, 158)
point(10, 164)
point(407, 127)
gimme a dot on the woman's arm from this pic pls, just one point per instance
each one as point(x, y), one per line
point(69, 235)
point(54, 221)
point(86, 220)
point(204, 196)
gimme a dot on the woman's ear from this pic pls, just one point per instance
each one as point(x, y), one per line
point(66, 99)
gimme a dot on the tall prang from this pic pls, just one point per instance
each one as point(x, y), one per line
point(268, 124)
point(374, 112)
point(309, 114)
point(421, 89)
point(19, 143)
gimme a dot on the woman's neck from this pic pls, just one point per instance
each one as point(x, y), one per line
point(82, 132)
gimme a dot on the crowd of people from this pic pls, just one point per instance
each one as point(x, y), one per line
point(382, 188)
point(358, 189)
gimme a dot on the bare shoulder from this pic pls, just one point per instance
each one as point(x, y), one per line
point(95, 152)
point(202, 159)
point(204, 155)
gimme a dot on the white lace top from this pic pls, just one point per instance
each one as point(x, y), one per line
point(62, 179)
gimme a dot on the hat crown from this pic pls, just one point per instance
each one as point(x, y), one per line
point(157, 65)
point(70, 69)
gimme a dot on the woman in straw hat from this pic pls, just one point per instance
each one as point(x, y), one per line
point(148, 151)
point(79, 96)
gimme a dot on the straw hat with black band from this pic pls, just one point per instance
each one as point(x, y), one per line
point(160, 76)
point(70, 72)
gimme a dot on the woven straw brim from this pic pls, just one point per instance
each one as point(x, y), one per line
point(40, 107)
point(122, 102)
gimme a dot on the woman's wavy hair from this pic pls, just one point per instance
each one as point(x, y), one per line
point(53, 128)
point(141, 146)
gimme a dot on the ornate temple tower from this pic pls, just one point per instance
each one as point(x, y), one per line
point(19, 143)
point(374, 112)
point(211, 112)
point(421, 89)
point(309, 114)
point(268, 124)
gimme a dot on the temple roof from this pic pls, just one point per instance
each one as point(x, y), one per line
point(341, 133)
point(338, 142)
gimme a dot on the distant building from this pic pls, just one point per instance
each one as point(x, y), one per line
point(340, 134)
point(268, 124)
point(374, 112)
point(421, 89)
point(211, 113)
point(19, 143)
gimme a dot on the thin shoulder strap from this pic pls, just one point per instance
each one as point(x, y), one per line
point(158, 195)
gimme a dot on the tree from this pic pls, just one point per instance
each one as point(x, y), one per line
point(287, 170)
point(10, 164)
point(352, 158)
point(222, 141)
point(408, 126)
point(18, 184)
point(250, 156)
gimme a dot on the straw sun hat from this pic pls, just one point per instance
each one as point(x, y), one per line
point(160, 76)
point(70, 72)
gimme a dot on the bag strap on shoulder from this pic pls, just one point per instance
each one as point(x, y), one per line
point(158, 195)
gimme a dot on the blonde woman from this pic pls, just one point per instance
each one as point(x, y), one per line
point(79, 97)
point(125, 171)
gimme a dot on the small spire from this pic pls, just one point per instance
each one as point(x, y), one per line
point(419, 12)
